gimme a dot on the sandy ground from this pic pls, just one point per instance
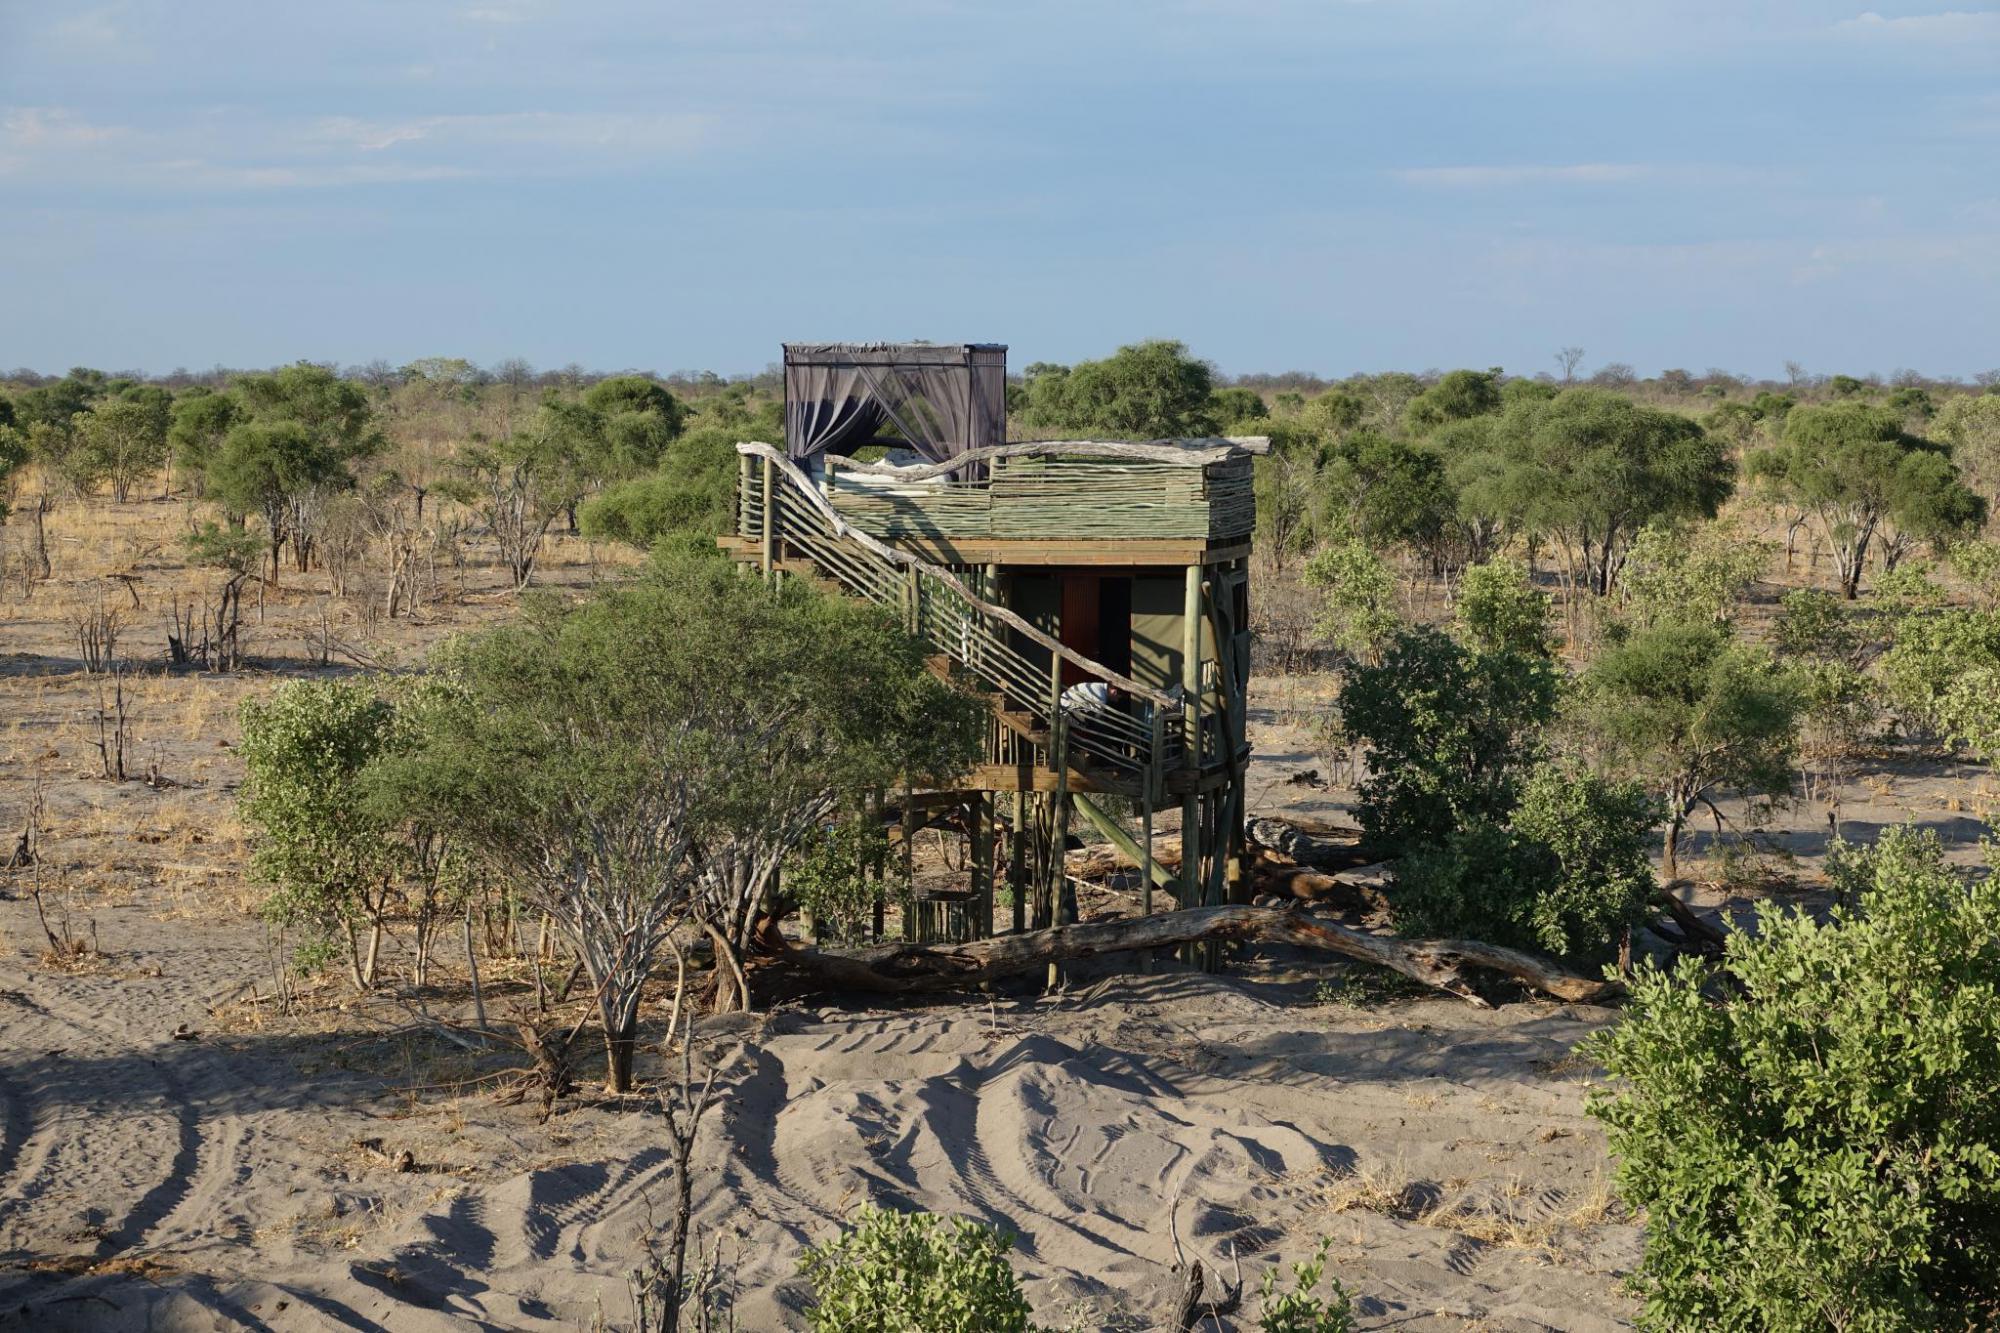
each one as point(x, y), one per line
point(158, 1183)
point(174, 1157)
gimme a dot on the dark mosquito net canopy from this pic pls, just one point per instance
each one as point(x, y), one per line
point(940, 398)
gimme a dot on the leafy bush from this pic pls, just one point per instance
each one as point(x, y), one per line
point(1970, 712)
point(1501, 610)
point(1303, 1309)
point(1933, 652)
point(1449, 731)
point(1819, 1152)
point(829, 877)
point(914, 1273)
point(1811, 624)
point(1358, 595)
point(1567, 873)
point(324, 856)
point(1675, 572)
point(693, 491)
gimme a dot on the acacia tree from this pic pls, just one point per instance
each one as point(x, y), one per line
point(838, 701)
point(521, 484)
point(1590, 469)
point(646, 760)
point(273, 468)
point(1692, 711)
point(201, 421)
point(1852, 467)
point(1147, 390)
point(125, 441)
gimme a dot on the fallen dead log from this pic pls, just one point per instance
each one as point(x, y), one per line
point(1286, 841)
point(1107, 859)
point(906, 968)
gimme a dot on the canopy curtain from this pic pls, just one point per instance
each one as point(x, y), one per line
point(828, 407)
point(939, 399)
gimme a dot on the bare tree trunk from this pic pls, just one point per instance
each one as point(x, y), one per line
point(621, 1040)
point(41, 513)
point(472, 968)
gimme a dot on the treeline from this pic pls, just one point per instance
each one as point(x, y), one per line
point(305, 468)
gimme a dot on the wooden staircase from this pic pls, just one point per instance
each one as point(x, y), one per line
point(794, 530)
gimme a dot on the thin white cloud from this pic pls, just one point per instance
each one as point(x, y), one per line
point(494, 14)
point(1951, 26)
point(1505, 177)
point(1683, 175)
point(610, 131)
point(38, 128)
point(198, 174)
point(228, 150)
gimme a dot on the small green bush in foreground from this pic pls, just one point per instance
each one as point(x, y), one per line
point(1822, 1150)
point(914, 1273)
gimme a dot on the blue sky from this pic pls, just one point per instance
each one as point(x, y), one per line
point(1332, 185)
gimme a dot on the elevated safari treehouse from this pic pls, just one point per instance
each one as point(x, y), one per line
point(1096, 591)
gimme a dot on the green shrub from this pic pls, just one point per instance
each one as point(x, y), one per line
point(1819, 1151)
point(1567, 873)
point(1811, 624)
point(830, 878)
point(1501, 610)
point(324, 855)
point(1449, 731)
point(914, 1273)
point(1357, 597)
point(1930, 654)
point(1970, 712)
point(1677, 572)
point(1303, 1309)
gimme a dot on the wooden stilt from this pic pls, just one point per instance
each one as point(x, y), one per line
point(1191, 830)
point(981, 905)
point(878, 861)
point(1017, 863)
point(910, 909)
point(1064, 896)
point(770, 533)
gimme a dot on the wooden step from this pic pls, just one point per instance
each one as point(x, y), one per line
point(1025, 725)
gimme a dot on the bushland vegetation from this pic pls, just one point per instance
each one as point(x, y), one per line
point(1562, 621)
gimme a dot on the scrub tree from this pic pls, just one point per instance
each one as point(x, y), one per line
point(646, 760)
point(1690, 710)
point(1589, 469)
point(125, 441)
point(1862, 479)
point(1149, 390)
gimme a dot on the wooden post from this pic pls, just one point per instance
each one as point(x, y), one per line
point(878, 853)
point(990, 590)
point(910, 908)
point(982, 867)
point(1190, 892)
point(1063, 905)
point(743, 495)
point(770, 516)
point(1017, 862)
